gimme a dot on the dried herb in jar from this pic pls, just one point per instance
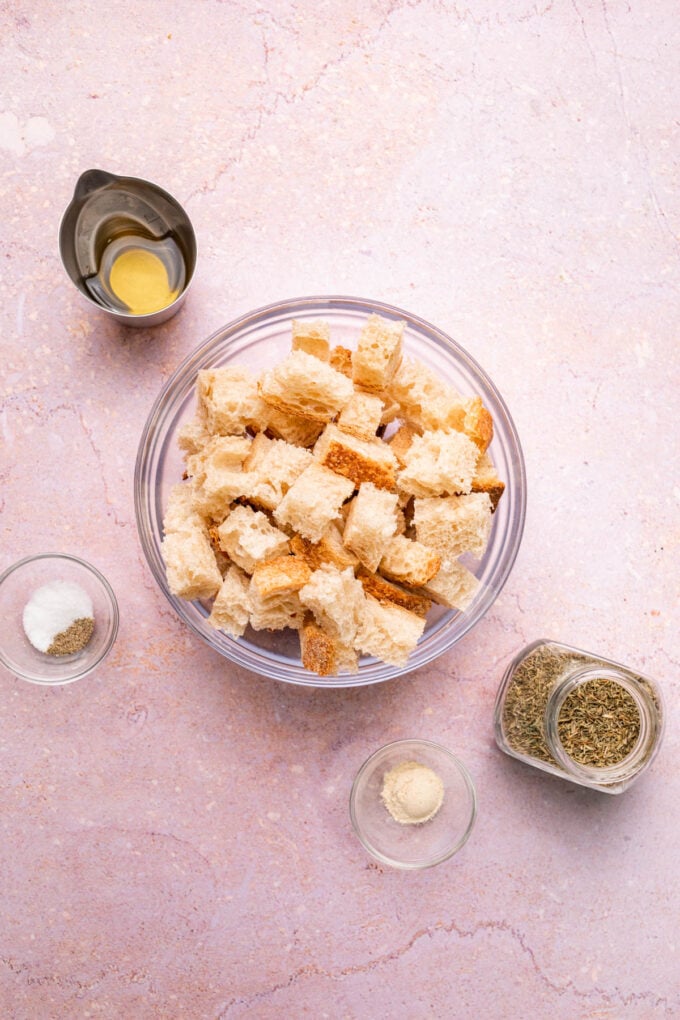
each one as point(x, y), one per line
point(599, 723)
point(526, 698)
point(580, 716)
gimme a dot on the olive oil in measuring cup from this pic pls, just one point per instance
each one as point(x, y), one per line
point(138, 274)
point(128, 246)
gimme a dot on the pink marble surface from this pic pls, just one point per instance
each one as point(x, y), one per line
point(175, 837)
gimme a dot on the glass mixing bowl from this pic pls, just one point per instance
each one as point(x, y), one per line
point(258, 340)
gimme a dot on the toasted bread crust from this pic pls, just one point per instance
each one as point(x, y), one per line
point(385, 591)
point(316, 553)
point(358, 459)
point(280, 576)
point(318, 650)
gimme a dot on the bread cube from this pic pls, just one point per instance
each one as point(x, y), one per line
point(387, 592)
point(313, 501)
point(312, 336)
point(370, 524)
point(453, 525)
point(388, 632)
point(247, 537)
point(232, 606)
point(318, 650)
point(276, 612)
point(274, 465)
point(439, 464)
point(409, 562)
point(180, 514)
point(361, 460)
point(336, 599)
point(329, 549)
point(230, 400)
point(280, 576)
point(292, 428)
point(303, 385)
point(340, 359)
point(424, 398)
point(453, 586)
point(486, 480)
point(191, 569)
point(400, 442)
point(378, 353)
point(322, 653)
point(274, 593)
point(361, 416)
point(218, 475)
point(194, 434)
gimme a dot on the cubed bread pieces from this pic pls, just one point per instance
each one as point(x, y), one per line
point(280, 576)
point(329, 549)
point(219, 452)
point(312, 336)
point(190, 566)
point(439, 464)
point(230, 399)
point(388, 632)
point(424, 497)
point(454, 586)
point(180, 514)
point(477, 423)
point(422, 395)
point(409, 562)
point(400, 442)
point(361, 460)
point(340, 359)
point(378, 353)
point(232, 606)
point(486, 480)
point(370, 524)
point(318, 650)
point(292, 428)
point(303, 385)
point(274, 465)
point(218, 475)
point(313, 501)
point(276, 612)
point(361, 416)
point(336, 599)
point(453, 525)
point(385, 591)
point(193, 435)
point(322, 653)
point(248, 538)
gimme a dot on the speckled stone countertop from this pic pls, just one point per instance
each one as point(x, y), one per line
point(175, 835)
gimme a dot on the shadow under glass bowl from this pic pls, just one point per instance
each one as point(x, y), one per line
point(256, 341)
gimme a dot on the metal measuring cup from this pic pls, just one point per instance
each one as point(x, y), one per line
point(104, 203)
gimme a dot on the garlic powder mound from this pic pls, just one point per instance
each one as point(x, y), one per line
point(412, 793)
point(52, 609)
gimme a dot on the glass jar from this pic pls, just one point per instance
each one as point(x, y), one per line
point(578, 716)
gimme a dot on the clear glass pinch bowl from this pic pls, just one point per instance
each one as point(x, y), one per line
point(257, 340)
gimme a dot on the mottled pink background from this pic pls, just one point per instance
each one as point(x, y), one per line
point(175, 836)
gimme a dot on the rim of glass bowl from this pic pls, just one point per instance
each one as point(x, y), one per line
point(493, 569)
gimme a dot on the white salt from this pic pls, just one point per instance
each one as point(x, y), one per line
point(52, 609)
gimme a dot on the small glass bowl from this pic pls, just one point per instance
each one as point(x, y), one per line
point(18, 583)
point(256, 341)
point(413, 846)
